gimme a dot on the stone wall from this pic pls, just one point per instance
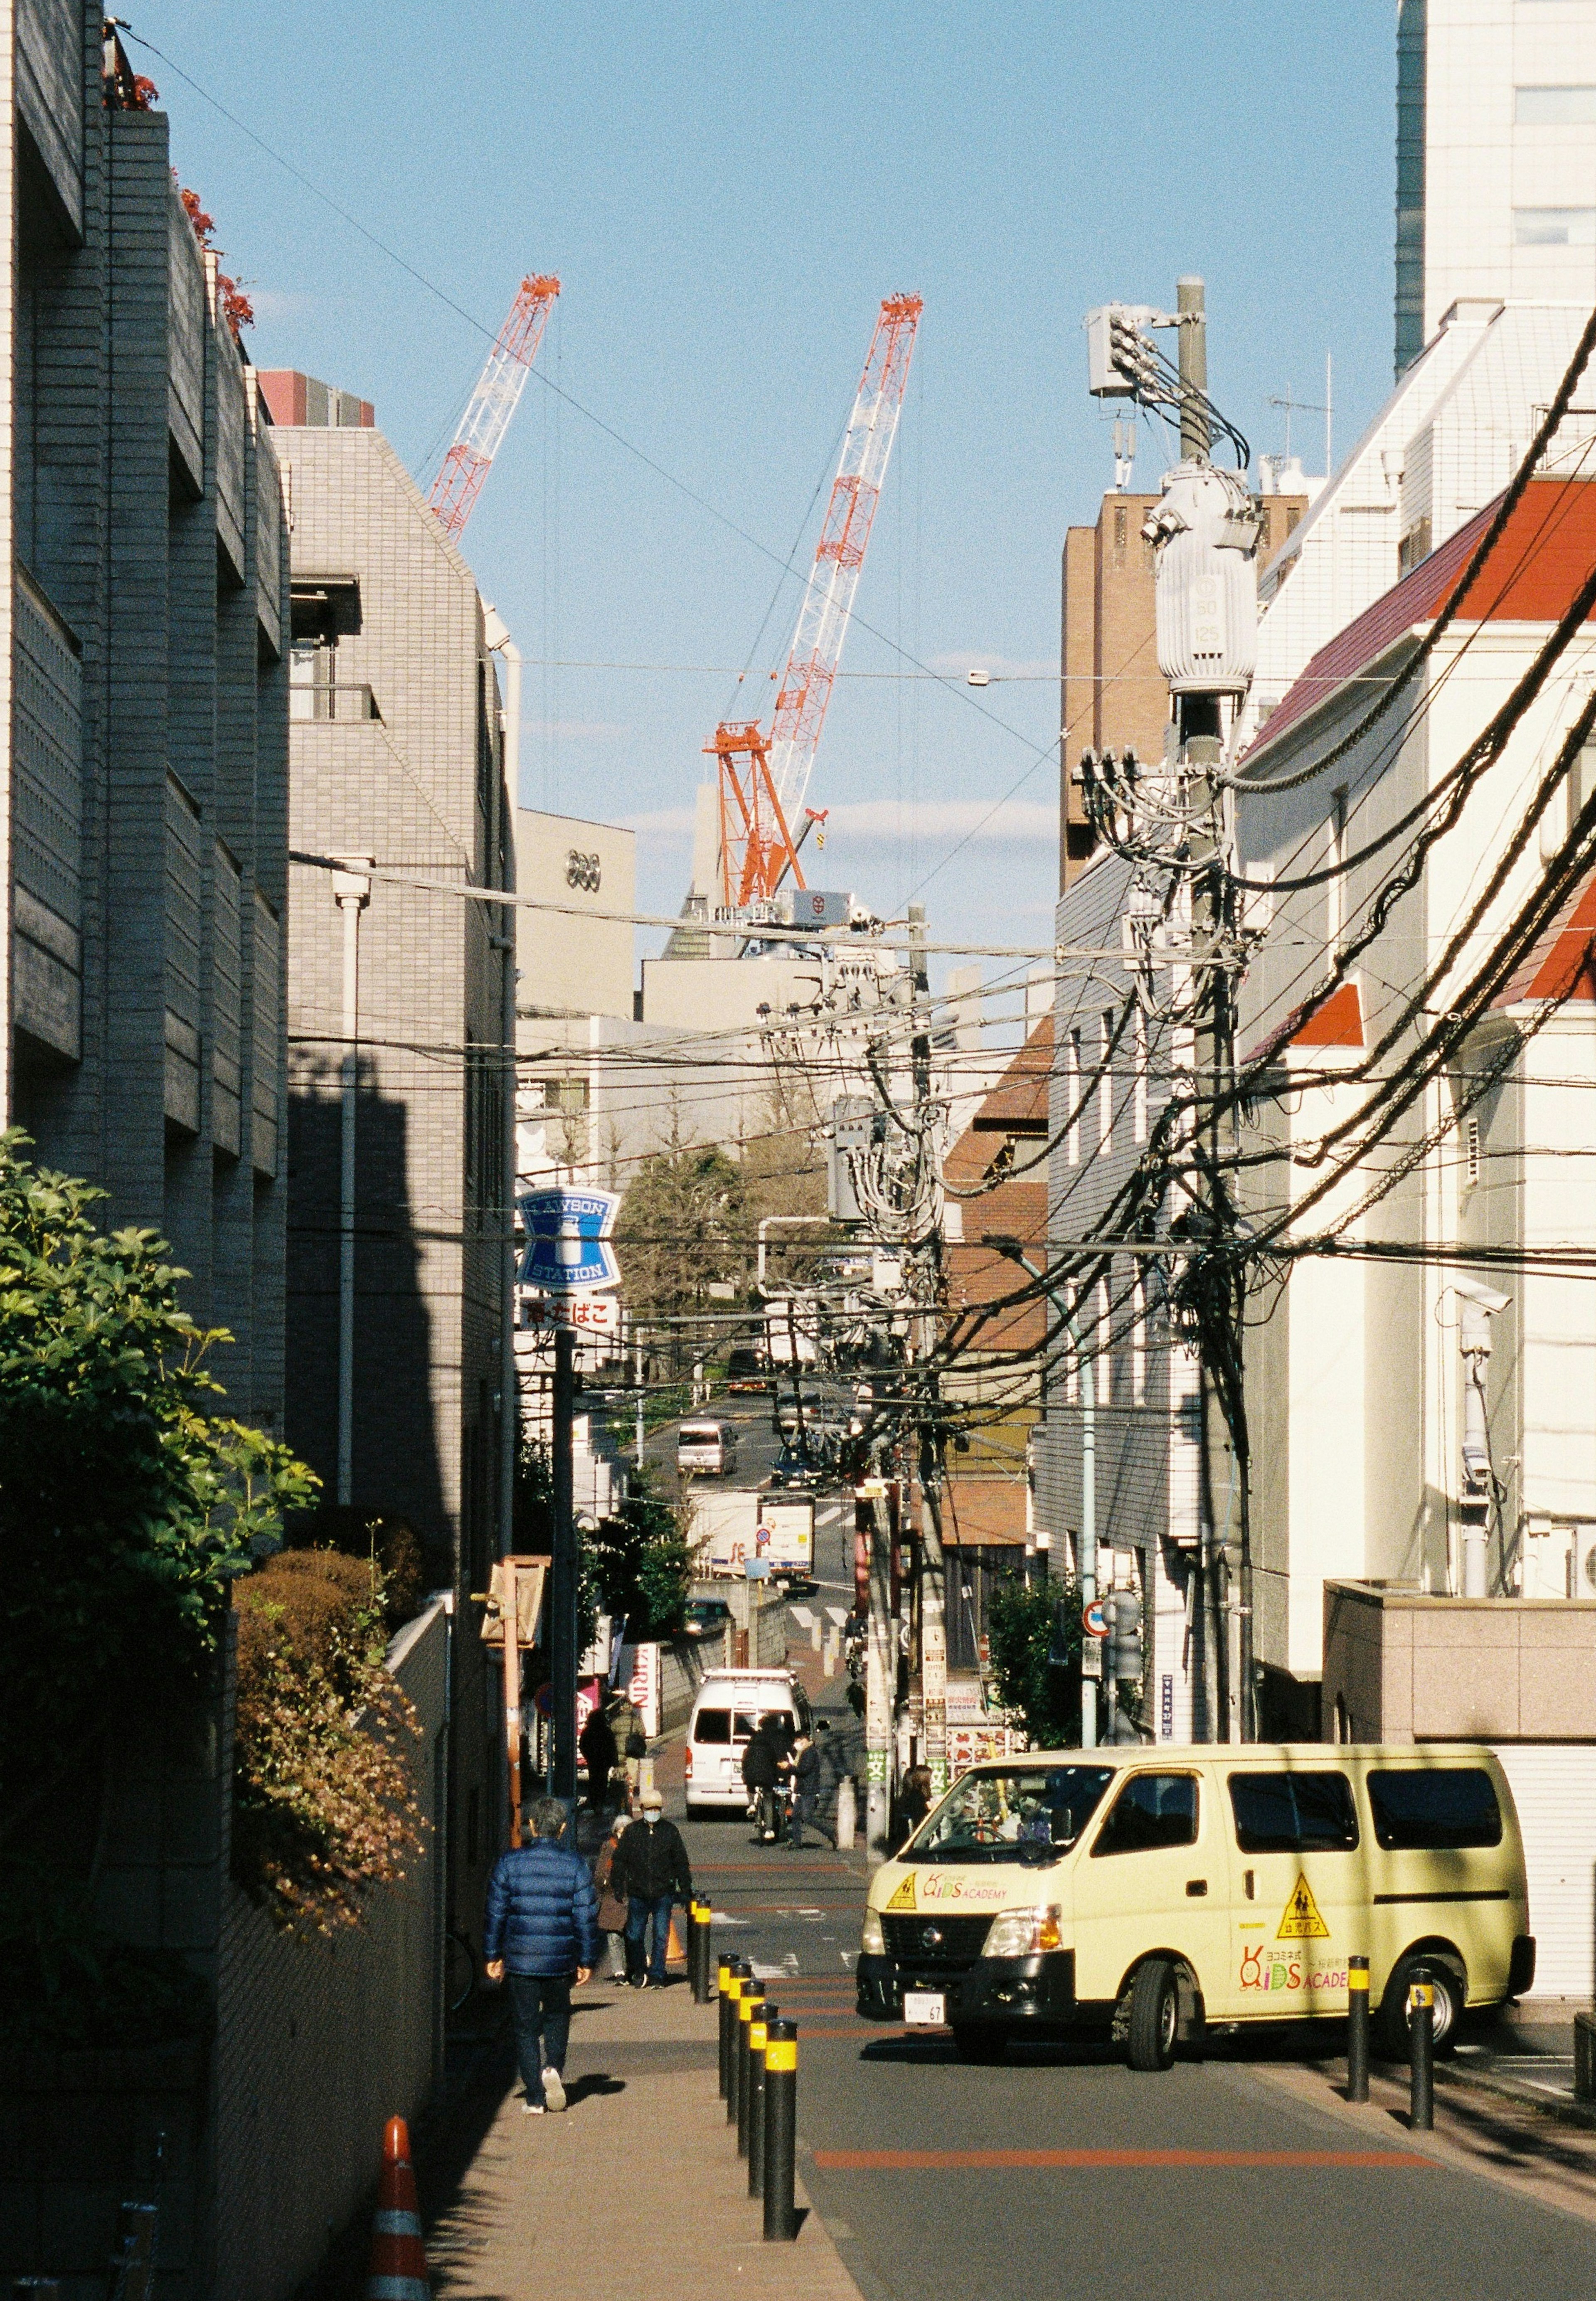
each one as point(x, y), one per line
point(1401, 1666)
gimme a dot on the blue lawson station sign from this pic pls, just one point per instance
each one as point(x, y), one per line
point(567, 1236)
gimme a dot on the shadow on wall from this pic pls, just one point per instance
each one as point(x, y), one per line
point(395, 1464)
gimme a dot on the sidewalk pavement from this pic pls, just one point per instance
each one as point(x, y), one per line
point(641, 2177)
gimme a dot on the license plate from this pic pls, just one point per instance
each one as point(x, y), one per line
point(924, 2009)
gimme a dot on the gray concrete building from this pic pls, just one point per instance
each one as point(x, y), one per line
point(143, 830)
point(397, 756)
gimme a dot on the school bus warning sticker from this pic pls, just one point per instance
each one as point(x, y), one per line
point(1301, 1920)
point(903, 1898)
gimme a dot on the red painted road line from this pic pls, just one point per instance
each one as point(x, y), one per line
point(981, 2161)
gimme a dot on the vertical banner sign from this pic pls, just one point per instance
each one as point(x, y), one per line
point(1167, 1709)
point(645, 1688)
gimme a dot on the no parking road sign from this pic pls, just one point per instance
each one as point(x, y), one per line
point(566, 1241)
point(1094, 1620)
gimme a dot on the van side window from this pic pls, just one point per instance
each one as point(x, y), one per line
point(742, 1726)
point(1293, 1813)
point(1152, 1810)
point(1418, 1809)
point(712, 1726)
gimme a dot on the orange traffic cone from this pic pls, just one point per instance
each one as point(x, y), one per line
point(399, 2257)
point(674, 1953)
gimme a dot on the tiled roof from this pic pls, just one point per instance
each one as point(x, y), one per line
point(1018, 1103)
point(1536, 565)
point(1561, 965)
point(1336, 1022)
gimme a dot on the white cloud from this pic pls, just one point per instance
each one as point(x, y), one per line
point(1010, 822)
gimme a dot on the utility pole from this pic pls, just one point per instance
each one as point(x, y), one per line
point(933, 1585)
point(352, 891)
point(1192, 345)
point(562, 1643)
point(871, 1529)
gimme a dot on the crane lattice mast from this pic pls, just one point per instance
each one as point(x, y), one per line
point(492, 403)
point(763, 779)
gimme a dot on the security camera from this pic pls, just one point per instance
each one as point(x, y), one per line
point(1477, 1305)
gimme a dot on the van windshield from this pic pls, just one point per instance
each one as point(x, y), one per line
point(1023, 1813)
point(699, 1434)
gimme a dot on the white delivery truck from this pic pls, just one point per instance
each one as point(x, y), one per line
point(736, 1530)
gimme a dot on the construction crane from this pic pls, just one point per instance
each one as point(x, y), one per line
point(488, 412)
point(763, 779)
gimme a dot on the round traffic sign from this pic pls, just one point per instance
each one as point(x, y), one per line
point(1094, 1620)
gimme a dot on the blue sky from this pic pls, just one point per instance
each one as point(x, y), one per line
point(726, 194)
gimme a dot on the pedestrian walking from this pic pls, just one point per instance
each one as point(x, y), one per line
point(913, 1802)
point(541, 1934)
point(805, 1789)
point(636, 1746)
point(652, 1869)
point(613, 1908)
point(599, 1750)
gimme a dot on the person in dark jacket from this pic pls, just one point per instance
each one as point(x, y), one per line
point(765, 1765)
point(652, 1870)
point(596, 1742)
point(914, 1804)
point(805, 1789)
point(542, 1933)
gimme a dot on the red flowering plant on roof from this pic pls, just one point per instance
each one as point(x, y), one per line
point(236, 309)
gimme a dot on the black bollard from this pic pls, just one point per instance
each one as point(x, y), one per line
point(780, 2129)
point(702, 1949)
point(758, 2039)
point(734, 1999)
point(750, 2002)
point(723, 2002)
point(1421, 2050)
point(1357, 2029)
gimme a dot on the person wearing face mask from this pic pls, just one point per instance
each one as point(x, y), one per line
point(652, 1870)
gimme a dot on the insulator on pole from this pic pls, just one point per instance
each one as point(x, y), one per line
point(492, 403)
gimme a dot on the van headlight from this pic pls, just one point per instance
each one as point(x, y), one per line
point(1024, 1933)
point(874, 1941)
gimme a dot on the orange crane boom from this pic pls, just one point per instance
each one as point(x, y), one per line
point(492, 403)
point(763, 779)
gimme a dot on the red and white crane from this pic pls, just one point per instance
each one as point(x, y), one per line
point(763, 779)
point(488, 412)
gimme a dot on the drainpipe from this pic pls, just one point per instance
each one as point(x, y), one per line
point(500, 642)
point(352, 891)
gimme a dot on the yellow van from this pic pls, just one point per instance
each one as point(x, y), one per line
point(1128, 1890)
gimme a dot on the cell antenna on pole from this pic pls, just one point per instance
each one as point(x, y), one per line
point(763, 779)
point(492, 403)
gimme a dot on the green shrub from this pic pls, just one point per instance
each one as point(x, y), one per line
point(1035, 1637)
point(324, 1794)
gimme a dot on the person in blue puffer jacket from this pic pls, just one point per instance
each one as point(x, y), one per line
point(542, 1932)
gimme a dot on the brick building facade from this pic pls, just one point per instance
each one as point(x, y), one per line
point(142, 833)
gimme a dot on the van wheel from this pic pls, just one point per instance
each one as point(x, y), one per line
point(1449, 1989)
point(978, 2041)
point(1154, 2016)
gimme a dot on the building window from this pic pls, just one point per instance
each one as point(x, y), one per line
point(1071, 1351)
point(1139, 1340)
point(569, 1096)
point(1138, 1094)
point(1105, 1084)
point(1554, 227)
point(1554, 107)
point(1102, 1355)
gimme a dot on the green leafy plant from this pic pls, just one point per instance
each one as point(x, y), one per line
point(127, 1504)
point(325, 1808)
point(642, 1563)
point(1034, 1635)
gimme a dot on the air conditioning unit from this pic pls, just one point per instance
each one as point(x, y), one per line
point(1584, 1562)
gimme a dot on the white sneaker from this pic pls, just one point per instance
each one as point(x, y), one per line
point(532, 2109)
point(554, 2092)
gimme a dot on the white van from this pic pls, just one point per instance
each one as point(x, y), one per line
point(1123, 1890)
point(707, 1448)
point(730, 1705)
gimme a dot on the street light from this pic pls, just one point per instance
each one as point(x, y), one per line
point(1011, 1250)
